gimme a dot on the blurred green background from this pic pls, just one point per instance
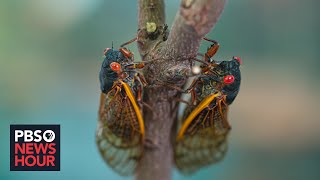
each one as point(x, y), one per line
point(50, 55)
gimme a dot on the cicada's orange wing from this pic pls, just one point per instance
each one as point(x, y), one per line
point(202, 137)
point(120, 132)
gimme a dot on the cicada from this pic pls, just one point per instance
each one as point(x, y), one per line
point(202, 137)
point(120, 132)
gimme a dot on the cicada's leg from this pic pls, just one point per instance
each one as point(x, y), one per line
point(211, 40)
point(192, 91)
point(201, 61)
point(136, 65)
point(193, 97)
point(139, 93)
point(141, 83)
point(200, 54)
point(129, 42)
point(173, 87)
point(212, 50)
point(138, 87)
point(142, 79)
point(193, 85)
point(128, 54)
point(139, 65)
point(189, 90)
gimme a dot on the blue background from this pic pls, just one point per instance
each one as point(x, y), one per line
point(50, 53)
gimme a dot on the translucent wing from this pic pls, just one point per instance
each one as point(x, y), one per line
point(202, 138)
point(120, 134)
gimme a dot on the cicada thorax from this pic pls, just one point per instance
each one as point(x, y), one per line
point(120, 129)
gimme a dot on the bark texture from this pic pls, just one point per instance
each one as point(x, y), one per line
point(171, 54)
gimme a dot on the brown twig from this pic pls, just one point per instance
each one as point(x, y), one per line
point(173, 53)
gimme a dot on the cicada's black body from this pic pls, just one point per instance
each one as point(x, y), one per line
point(202, 138)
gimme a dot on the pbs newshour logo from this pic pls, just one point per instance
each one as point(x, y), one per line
point(35, 147)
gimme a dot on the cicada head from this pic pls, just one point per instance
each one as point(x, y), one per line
point(229, 72)
point(111, 66)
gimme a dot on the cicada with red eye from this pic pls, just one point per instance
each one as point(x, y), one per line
point(202, 137)
point(120, 132)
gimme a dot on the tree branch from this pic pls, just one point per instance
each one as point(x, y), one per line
point(150, 23)
point(194, 20)
point(151, 11)
point(171, 63)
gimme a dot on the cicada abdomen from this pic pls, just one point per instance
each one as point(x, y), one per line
point(202, 137)
point(120, 132)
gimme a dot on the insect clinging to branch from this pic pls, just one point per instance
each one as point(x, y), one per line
point(120, 133)
point(202, 137)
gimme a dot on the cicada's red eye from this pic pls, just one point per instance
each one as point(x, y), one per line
point(115, 66)
point(237, 59)
point(228, 79)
